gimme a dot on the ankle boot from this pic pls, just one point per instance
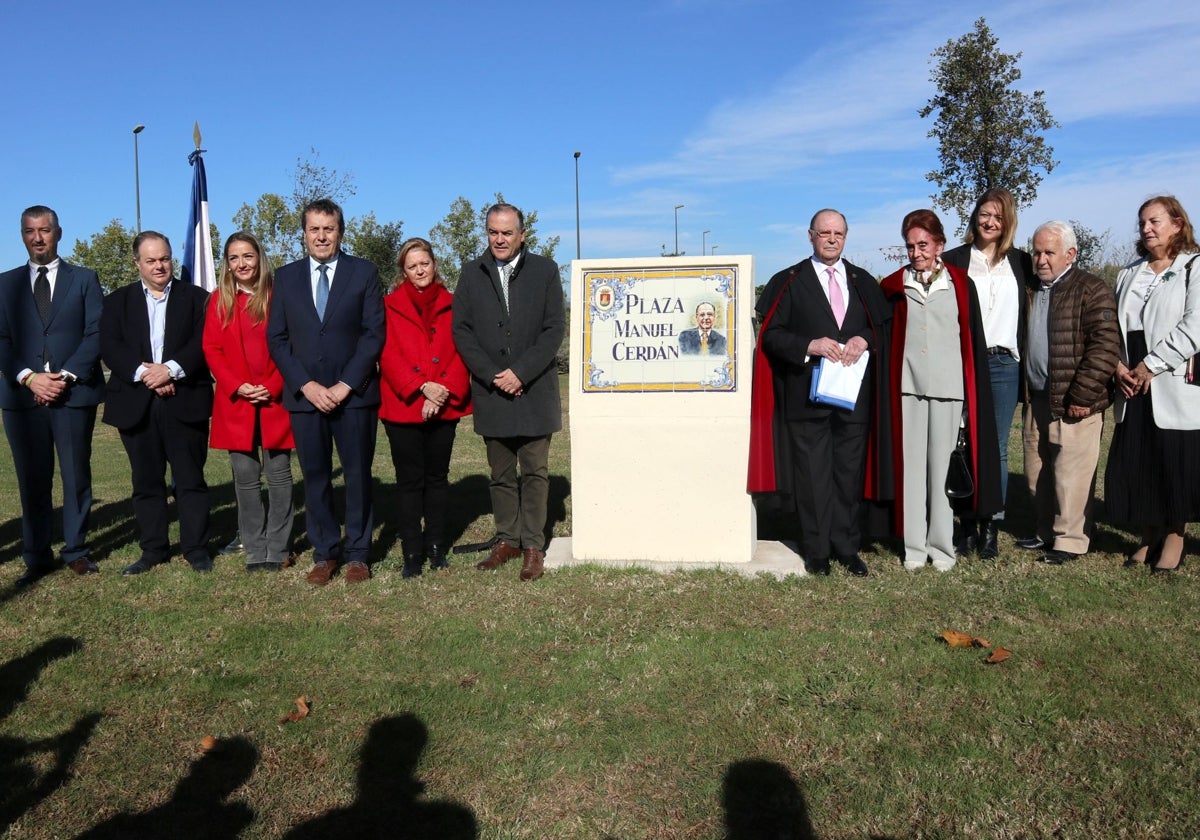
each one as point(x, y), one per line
point(989, 547)
point(437, 555)
point(968, 541)
point(413, 561)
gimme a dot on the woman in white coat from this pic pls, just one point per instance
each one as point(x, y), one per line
point(1150, 481)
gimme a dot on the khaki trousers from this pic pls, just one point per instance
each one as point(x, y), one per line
point(1060, 468)
point(519, 505)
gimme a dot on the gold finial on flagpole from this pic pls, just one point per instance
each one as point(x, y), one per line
point(196, 133)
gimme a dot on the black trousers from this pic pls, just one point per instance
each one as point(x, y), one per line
point(827, 459)
point(421, 456)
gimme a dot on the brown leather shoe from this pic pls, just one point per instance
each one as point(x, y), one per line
point(356, 572)
point(321, 572)
point(533, 567)
point(502, 552)
point(83, 566)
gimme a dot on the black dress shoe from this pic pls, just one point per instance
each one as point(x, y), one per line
point(32, 575)
point(989, 541)
point(265, 566)
point(235, 546)
point(142, 565)
point(201, 564)
point(854, 565)
point(437, 556)
point(412, 565)
point(816, 567)
point(1056, 557)
point(1031, 544)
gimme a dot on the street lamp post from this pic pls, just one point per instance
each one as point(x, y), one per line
point(578, 252)
point(712, 250)
point(677, 208)
point(704, 243)
point(137, 181)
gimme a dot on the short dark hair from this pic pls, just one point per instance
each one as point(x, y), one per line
point(148, 234)
point(503, 207)
point(327, 206)
point(926, 220)
point(39, 210)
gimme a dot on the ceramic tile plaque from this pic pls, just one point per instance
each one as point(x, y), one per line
point(660, 329)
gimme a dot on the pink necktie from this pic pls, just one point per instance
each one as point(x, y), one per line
point(836, 301)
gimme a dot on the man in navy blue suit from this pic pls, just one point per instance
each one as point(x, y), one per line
point(49, 390)
point(325, 334)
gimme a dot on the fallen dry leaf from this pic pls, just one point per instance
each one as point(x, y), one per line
point(302, 707)
point(980, 642)
point(208, 743)
point(956, 639)
point(998, 655)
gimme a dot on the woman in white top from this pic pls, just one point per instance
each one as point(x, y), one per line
point(1001, 274)
point(1151, 479)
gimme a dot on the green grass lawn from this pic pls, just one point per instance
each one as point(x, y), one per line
point(596, 703)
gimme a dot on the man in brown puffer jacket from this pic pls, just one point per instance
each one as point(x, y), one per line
point(1070, 359)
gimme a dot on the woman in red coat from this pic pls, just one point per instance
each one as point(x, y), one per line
point(248, 418)
point(425, 391)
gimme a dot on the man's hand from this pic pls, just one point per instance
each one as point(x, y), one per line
point(167, 390)
point(320, 396)
point(1078, 412)
point(156, 375)
point(853, 350)
point(47, 387)
point(508, 382)
point(825, 347)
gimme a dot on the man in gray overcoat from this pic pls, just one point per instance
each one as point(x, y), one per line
point(509, 318)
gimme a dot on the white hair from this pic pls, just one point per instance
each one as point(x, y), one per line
point(1064, 232)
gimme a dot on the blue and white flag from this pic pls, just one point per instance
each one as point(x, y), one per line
point(197, 265)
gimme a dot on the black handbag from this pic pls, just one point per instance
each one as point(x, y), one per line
point(959, 482)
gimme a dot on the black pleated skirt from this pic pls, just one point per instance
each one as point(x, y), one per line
point(1153, 474)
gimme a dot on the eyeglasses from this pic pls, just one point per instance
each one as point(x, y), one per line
point(829, 234)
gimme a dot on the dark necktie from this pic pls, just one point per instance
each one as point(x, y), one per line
point(41, 293)
point(322, 290)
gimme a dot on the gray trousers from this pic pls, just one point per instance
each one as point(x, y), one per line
point(930, 433)
point(519, 506)
point(266, 534)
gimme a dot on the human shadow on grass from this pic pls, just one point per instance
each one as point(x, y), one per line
point(22, 785)
point(761, 800)
point(389, 804)
point(198, 807)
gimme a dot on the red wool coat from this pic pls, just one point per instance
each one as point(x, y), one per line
point(237, 354)
point(411, 358)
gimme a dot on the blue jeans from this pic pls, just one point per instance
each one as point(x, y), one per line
point(1005, 372)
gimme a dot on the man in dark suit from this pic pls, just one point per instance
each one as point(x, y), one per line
point(509, 319)
point(703, 340)
point(825, 308)
point(49, 390)
point(160, 399)
point(325, 334)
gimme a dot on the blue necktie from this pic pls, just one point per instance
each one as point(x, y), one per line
point(322, 290)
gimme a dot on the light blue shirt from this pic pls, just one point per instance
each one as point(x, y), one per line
point(156, 311)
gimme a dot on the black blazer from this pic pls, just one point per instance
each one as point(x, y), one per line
point(804, 314)
point(125, 344)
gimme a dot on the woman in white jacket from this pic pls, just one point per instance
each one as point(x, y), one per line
point(1151, 479)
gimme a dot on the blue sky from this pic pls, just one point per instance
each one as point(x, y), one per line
point(751, 114)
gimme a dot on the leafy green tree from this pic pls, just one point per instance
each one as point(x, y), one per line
point(989, 134)
point(110, 254)
point(379, 243)
point(275, 225)
point(275, 219)
point(462, 236)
